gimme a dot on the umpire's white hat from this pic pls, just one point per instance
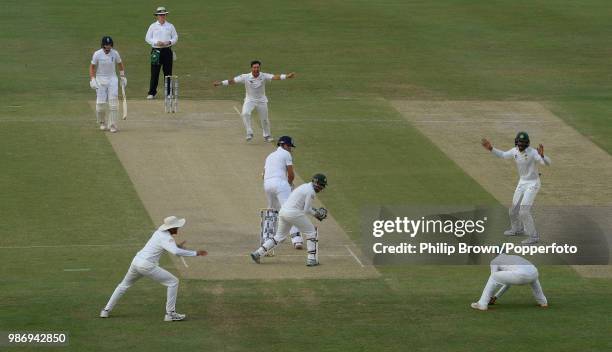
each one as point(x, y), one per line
point(161, 11)
point(172, 222)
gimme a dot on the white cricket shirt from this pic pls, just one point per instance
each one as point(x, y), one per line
point(105, 63)
point(255, 86)
point(301, 199)
point(276, 164)
point(161, 33)
point(526, 161)
point(162, 240)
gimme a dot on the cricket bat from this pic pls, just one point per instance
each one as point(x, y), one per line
point(124, 102)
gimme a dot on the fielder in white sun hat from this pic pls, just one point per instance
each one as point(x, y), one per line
point(161, 11)
point(172, 222)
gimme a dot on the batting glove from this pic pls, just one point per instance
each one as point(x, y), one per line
point(93, 83)
point(123, 81)
point(320, 214)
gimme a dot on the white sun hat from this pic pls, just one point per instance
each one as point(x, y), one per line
point(161, 11)
point(172, 222)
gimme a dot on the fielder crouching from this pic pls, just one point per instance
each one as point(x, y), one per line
point(146, 263)
point(506, 271)
point(293, 213)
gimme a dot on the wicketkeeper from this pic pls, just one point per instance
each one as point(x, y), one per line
point(104, 80)
point(293, 213)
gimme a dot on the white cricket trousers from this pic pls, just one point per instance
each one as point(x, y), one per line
point(522, 275)
point(277, 192)
point(287, 219)
point(108, 88)
point(140, 268)
point(107, 92)
point(262, 111)
point(520, 211)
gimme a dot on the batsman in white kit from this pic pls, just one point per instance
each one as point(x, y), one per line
point(293, 213)
point(103, 79)
point(255, 84)
point(527, 160)
point(278, 178)
point(146, 263)
point(508, 270)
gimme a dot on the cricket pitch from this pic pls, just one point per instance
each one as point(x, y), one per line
point(197, 164)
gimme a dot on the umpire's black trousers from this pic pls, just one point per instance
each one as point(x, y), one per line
point(165, 62)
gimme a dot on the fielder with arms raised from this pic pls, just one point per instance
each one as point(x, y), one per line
point(104, 80)
point(255, 84)
point(527, 160)
point(278, 180)
point(507, 270)
point(146, 263)
point(293, 213)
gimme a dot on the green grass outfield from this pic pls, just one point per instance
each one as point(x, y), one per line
point(62, 184)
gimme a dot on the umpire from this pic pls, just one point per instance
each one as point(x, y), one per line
point(161, 36)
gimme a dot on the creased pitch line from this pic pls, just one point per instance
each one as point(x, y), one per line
point(71, 245)
point(353, 255)
point(83, 269)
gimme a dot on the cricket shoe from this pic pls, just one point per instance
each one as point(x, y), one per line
point(102, 127)
point(298, 245)
point(269, 139)
point(150, 97)
point(256, 257)
point(531, 240)
point(249, 137)
point(475, 305)
point(511, 232)
point(174, 316)
point(312, 262)
point(270, 253)
point(113, 129)
point(104, 313)
point(543, 305)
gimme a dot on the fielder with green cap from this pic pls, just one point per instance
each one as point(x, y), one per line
point(527, 160)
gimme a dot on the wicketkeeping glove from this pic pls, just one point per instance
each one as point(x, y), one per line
point(320, 213)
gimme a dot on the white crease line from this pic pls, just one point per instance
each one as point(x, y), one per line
point(71, 245)
point(236, 110)
point(83, 269)
point(184, 262)
point(354, 256)
point(279, 255)
point(474, 121)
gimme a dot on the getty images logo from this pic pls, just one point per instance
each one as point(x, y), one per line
point(412, 228)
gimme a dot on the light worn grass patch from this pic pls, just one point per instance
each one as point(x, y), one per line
point(580, 173)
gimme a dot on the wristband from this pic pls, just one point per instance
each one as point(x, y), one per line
point(283, 76)
point(225, 83)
